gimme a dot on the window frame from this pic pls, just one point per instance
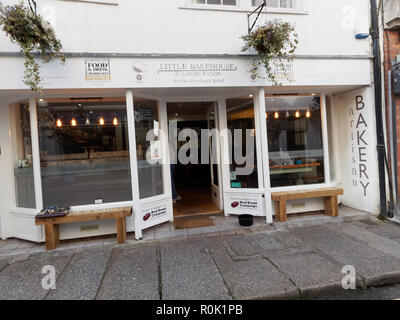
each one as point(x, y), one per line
point(325, 146)
point(293, 7)
point(243, 6)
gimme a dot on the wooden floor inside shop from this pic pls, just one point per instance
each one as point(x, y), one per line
point(195, 202)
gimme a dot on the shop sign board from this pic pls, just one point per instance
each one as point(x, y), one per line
point(154, 213)
point(97, 69)
point(183, 72)
point(244, 204)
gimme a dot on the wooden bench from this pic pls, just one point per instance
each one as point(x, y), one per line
point(51, 225)
point(329, 194)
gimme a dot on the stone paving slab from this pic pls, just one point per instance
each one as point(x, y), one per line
point(10, 245)
point(23, 280)
point(279, 261)
point(387, 230)
point(256, 279)
point(82, 276)
point(310, 272)
point(162, 231)
point(375, 266)
point(188, 272)
point(371, 239)
point(3, 264)
point(242, 246)
point(288, 239)
point(266, 241)
point(132, 274)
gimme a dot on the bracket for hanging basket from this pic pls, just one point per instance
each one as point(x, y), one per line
point(258, 10)
point(33, 6)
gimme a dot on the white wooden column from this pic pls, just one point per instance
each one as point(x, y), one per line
point(218, 154)
point(224, 148)
point(325, 141)
point(335, 140)
point(166, 162)
point(265, 157)
point(6, 167)
point(133, 162)
point(36, 154)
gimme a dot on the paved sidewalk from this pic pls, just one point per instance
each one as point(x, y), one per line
point(296, 260)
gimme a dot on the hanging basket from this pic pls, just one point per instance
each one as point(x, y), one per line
point(275, 43)
point(34, 35)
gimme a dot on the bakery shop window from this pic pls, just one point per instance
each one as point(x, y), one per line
point(84, 151)
point(148, 148)
point(296, 155)
point(22, 156)
point(242, 141)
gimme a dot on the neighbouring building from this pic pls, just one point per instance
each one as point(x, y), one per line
point(391, 54)
point(135, 66)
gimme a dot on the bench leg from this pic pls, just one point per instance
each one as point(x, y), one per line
point(121, 230)
point(52, 234)
point(331, 206)
point(280, 210)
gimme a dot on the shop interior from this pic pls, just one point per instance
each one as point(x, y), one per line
point(193, 181)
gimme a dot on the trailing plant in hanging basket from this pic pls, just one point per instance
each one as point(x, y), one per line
point(34, 35)
point(275, 42)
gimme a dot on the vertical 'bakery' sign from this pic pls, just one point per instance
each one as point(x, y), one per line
point(359, 145)
point(97, 70)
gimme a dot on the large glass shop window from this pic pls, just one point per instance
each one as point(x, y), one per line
point(23, 168)
point(295, 141)
point(148, 148)
point(243, 155)
point(84, 152)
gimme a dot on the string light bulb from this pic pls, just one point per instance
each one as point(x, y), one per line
point(308, 114)
point(59, 123)
point(101, 121)
point(297, 114)
point(73, 122)
point(115, 121)
point(276, 115)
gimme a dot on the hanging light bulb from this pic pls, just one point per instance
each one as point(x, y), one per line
point(297, 114)
point(308, 114)
point(73, 122)
point(287, 114)
point(276, 115)
point(115, 121)
point(59, 123)
point(87, 122)
point(101, 121)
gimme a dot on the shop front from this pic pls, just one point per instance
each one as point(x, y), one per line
point(181, 137)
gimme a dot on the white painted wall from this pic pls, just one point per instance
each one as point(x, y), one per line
point(160, 26)
point(6, 175)
point(347, 117)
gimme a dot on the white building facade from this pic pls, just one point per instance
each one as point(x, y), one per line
point(135, 66)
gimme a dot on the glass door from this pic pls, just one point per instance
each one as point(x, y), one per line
point(215, 156)
point(151, 180)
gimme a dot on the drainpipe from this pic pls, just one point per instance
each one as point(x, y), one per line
point(378, 109)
